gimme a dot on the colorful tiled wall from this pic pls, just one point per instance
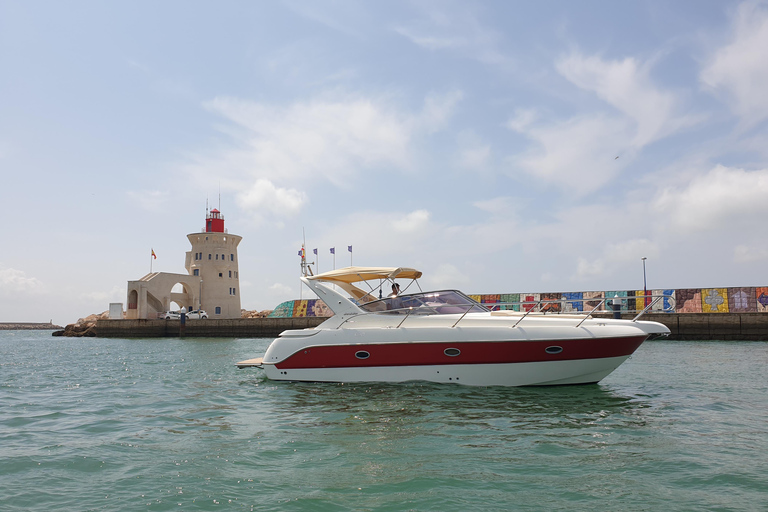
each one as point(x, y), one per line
point(306, 307)
point(688, 300)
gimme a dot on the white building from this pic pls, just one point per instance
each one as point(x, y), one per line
point(212, 282)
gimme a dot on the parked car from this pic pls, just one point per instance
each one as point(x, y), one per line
point(192, 315)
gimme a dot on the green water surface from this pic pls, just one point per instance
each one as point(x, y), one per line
point(170, 424)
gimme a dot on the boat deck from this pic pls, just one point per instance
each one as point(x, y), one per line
point(251, 363)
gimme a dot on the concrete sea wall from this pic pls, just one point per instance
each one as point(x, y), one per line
point(684, 326)
point(710, 326)
point(234, 328)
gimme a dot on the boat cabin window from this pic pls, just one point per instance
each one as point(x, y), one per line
point(445, 302)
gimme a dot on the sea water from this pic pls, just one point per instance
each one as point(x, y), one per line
point(172, 424)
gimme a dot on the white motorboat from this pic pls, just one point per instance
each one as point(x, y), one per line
point(444, 336)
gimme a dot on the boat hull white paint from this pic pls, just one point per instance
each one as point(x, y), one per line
point(540, 373)
point(446, 337)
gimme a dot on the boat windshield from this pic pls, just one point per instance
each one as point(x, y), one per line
point(445, 302)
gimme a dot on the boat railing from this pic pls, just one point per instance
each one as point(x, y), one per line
point(566, 306)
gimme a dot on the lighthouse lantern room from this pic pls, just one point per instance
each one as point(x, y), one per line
point(214, 222)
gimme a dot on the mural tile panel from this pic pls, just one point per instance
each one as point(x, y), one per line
point(611, 296)
point(316, 307)
point(283, 310)
point(742, 300)
point(688, 300)
point(590, 304)
point(665, 305)
point(640, 301)
point(529, 300)
point(714, 300)
point(761, 299)
point(576, 305)
point(508, 298)
point(300, 308)
point(551, 301)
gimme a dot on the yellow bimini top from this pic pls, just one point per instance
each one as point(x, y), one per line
point(344, 277)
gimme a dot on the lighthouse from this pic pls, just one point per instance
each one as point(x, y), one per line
point(213, 258)
point(212, 281)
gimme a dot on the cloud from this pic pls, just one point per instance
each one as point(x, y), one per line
point(578, 154)
point(438, 108)
point(280, 289)
point(615, 256)
point(447, 276)
point(473, 153)
point(750, 254)
point(716, 199)
point(738, 70)
point(458, 30)
point(344, 17)
point(278, 151)
point(149, 200)
point(13, 281)
point(411, 222)
point(116, 294)
point(264, 195)
point(496, 205)
point(626, 85)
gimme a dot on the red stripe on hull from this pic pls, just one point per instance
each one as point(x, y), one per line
point(472, 352)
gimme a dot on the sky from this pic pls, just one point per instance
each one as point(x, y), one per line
point(498, 146)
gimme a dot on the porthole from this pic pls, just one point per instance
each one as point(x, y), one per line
point(553, 349)
point(362, 354)
point(453, 352)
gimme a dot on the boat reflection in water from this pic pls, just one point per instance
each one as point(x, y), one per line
point(444, 337)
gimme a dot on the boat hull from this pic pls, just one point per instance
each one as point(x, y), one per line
point(473, 363)
point(541, 373)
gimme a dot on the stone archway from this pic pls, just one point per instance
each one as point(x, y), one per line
point(180, 296)
point(133, 299)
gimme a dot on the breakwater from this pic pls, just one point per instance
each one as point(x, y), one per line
point(683, 326)
point(28, 326)
point(233, 328)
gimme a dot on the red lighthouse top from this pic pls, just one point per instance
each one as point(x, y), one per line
point(214, 222)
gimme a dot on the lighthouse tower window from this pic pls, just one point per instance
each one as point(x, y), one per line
point(230, 273)
point(218, 310)
point(209, 256)
point(220, 274)
point(231, 257)
point(197, 272)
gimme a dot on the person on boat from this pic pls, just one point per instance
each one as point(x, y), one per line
point(395, 302)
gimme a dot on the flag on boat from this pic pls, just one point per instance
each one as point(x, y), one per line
point(333, 250)
point(154, 256)
point(349, 248)
point(301, 252)
point(314, 251)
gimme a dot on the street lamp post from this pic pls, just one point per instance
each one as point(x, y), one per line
point(645, 286)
